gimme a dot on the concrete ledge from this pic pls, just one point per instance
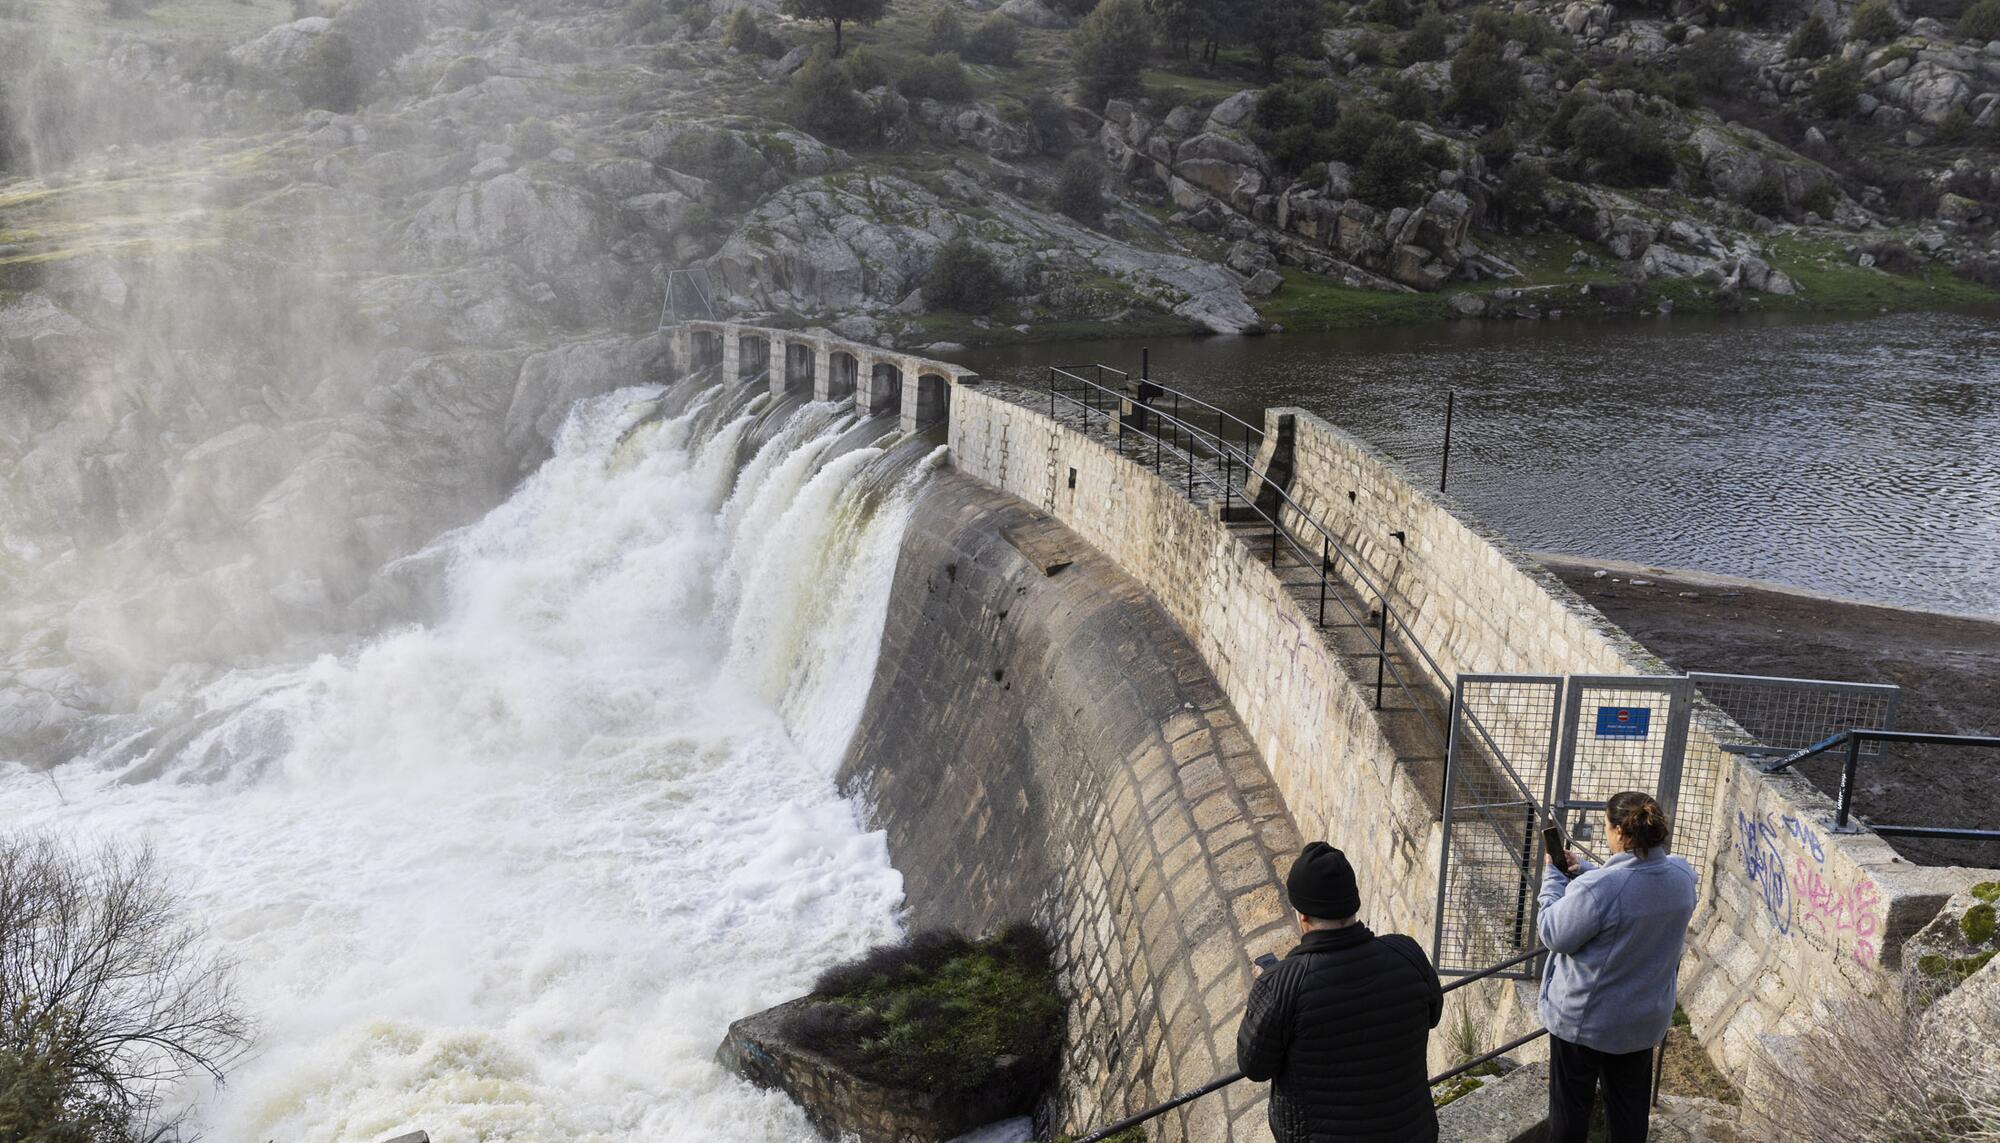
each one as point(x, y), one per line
point(1513, 1108)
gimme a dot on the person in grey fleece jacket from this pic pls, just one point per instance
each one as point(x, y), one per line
point(1614, 935)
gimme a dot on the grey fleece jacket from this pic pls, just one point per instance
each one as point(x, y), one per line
point(1616, 934)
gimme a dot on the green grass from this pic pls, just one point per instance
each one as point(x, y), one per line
point(1829, 282)
point(1310, 302)
point(1172, 87)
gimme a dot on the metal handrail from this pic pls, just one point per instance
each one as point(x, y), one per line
point(1852, 738)
point(1214, 1085)
point(1247, 457)
point(1199, 436)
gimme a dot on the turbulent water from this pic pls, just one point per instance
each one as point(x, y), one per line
point(511, 873)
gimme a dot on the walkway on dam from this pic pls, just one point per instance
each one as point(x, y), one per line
point(1212, 461)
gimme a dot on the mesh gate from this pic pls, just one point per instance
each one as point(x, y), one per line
point(1497, 771)
point(1620, 732)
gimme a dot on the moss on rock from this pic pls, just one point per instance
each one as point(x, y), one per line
point(1977, 924)
point(940, 1013)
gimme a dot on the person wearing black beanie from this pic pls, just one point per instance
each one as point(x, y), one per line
point(1340, 1026)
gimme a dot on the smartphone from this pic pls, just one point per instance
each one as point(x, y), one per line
point(1558, 848)
point(1267, 962)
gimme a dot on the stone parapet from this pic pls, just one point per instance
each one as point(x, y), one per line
point(828, 368)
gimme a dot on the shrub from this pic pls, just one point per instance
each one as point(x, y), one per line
point(1079, 189)
point(1050, 119)
point(1837, 89)
point(824, 101)
point(994, 40)
point(947, 31)
point(1873, 23)
point(1110, 47)
point(1715, 64)
point(1819, 198)
point(1409, 101)
point(1367, 49)
point(1956, 126)
point(1622, 152)
point(746, 35)
point(1292, 104)
point(940, 77)
point(1357, 130)
point(1484, 84)
point(965, 278)
point(1497, 147)
point(1980, 22)
point(1390, 169)
point(1768, 196)
point(1395, 13)
point(1425, 40)
point(866, 70)
point(1298, 147)
point(1813, 40)
point(1520, 195)
point(328, 77)
point(107, 1000)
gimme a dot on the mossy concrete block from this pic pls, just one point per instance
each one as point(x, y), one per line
point(841, 1105)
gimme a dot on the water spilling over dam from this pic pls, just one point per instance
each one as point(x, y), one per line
point(508, 874)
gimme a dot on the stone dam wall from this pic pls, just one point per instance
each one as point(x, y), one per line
point(1041, 742)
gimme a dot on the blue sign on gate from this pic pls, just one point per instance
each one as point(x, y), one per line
point(1623, 721)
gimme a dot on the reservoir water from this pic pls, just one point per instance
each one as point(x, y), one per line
point(1857, 458)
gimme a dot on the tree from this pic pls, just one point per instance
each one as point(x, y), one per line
point(1110, 47)
point(107, 998)
point(837, 12)
point(1390, 169)
point(1625, 154)
point(1716, 63)
point(965, 278)
point(1278, 28)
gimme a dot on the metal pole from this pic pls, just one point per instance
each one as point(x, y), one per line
point(1381, 651)
point(1444, 464)
point(1274, 543)
point(1145, 363)
point(1847, 780)
point(1323, 562)
point(1660, 1066)
point(1052, 392)
point(1228, 481)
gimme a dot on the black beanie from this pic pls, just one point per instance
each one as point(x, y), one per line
point(1321, 884)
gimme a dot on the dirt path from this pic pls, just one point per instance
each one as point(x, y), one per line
point(1947, 665)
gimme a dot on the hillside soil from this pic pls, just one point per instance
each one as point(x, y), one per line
point(1947, 665)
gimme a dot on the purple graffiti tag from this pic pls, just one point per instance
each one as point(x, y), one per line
point(1803, 834)
point(1764, 865)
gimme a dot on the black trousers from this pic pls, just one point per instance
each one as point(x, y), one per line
point(1573, 1074)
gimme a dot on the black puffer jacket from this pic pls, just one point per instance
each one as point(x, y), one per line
point(1339, 1027)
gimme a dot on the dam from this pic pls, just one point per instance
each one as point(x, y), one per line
point(1129, 662)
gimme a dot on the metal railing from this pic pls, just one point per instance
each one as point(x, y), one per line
point(1182, 429)
point(1216, 1085)
point(1852, 740)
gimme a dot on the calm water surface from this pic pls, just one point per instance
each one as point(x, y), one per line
point(1860, 458)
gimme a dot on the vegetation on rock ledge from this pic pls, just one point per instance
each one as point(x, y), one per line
point(940, 1013)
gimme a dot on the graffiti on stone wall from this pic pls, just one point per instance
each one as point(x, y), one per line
point(1785, 859)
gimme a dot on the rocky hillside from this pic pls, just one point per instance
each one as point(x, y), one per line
point(285, 290)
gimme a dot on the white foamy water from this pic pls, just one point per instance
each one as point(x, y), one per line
point(511, 875)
